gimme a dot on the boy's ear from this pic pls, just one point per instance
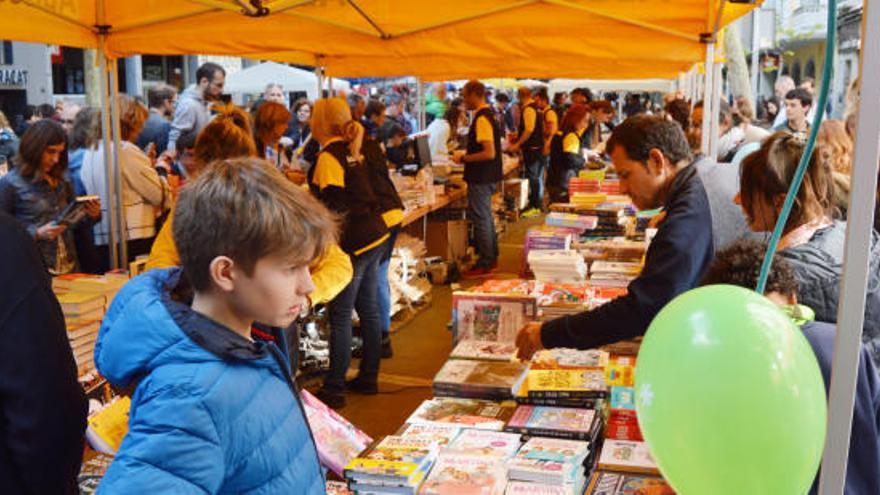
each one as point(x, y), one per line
point(221, 271)
point(656, 162)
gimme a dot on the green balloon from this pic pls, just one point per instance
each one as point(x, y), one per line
point(729, 396)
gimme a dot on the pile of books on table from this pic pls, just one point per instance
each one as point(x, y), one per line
point(479, 379)
point(558, 266)
point(579, 223)
point(587, 200)
point(583, 185)
point(615, 249)
point(613, 273)
point(545, 238)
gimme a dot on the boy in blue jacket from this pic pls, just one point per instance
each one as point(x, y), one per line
point(740, 265)
point(213, 410)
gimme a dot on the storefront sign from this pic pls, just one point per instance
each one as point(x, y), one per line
point(13, 77)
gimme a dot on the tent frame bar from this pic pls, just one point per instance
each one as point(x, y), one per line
point(853, 286)
point(382, 33)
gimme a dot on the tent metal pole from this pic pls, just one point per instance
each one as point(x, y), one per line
point(420, 99)
point(756, 55)
point(117, 173)
point(109, 184)
point(851, 311)
point(708, 104)
point(330, 89)
point(319, 71)
point(716, 97)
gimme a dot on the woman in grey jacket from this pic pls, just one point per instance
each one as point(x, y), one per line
point(811, 242)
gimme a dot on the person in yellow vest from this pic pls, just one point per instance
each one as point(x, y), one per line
point(343, 184)
point(551, 129)
point(566, 155)
point(530, 141)
point(229, 136)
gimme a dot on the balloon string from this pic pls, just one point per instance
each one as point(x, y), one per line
point(808, 150)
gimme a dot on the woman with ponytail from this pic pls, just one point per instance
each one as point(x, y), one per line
point(811, 241)
point(342, 182)
point(566, 154)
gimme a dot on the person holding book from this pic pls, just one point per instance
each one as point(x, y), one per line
point(566, 154)
point(42, 405)
point(342, 183)
point(214, 409)
point(38, 193)
point(652, 157)
point(811, 240)
point(740, 265)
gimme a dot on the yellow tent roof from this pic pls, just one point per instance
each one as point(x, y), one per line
point(435, 40)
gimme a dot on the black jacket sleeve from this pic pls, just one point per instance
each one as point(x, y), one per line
point(675, 262)
point(43, 407)
point(574, 161)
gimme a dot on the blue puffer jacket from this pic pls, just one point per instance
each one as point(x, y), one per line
point(212, 412)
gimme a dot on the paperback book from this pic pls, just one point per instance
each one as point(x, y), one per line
point(470, 413)
point(567, 383)
point(627, 456)
point(487, 350)
point(479, 379)
point(442, 434)
point(558, 422)
point(395, 461)
point(610, 483)
point(563, 358)
point(550, 460)
point(456, 474)
point(338, 441)
point(529, 488)
point(485, 443)
point(491, 317)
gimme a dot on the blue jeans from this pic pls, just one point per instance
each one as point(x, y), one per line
point(480, 214)
point(361, 295)
point(384, 294)
point(536, 164)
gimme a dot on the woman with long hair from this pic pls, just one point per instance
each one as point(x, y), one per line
point(37, 191)
point(145, 193)
point(443, 133)
point(812, 241)
point(343, 185)
point(566, 156)
point(300, 131)
point(270, 124)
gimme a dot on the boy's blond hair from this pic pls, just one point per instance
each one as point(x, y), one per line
point(245, 209)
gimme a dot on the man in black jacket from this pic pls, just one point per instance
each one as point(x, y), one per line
point(653, 160)
point(42, 407)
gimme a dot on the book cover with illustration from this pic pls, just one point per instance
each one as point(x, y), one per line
point(486, 350)
point(610, 483)
point(567, 383)
point(479, 379)
point(559, 422)
point(338, 440)
point(395, 458)
point(442, 434)
point(628, 456)
point(455, 474)
point(528, 488)
point(470, 413)
point(564, 358)
point(108, 427)
point(485, 443)
point(494, 318)
point(549, 460)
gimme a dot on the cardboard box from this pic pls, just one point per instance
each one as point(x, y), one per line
point(447, 239)
point(518, 189)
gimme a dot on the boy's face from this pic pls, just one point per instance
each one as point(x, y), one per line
point(274, 294)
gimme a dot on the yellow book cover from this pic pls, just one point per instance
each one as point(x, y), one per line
point(109, 426)
point(76, 303)
point(566, 381)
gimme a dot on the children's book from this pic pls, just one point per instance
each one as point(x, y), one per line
point(338, 441)
point(485, 443)
point(491, 317)
point(107, 427)
point(563, 358)
point(567, 383)
point(479, 379)
point(627, 456)
point(610, 483)
point(557, 422)
point(549, 460)
point(455, 474)
point(442, 434)
point(396, 460)
point(470, 413)
point(486, 350)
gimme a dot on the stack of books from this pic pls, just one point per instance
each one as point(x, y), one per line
point(84, 299)
point(458, 474)
point(491, 317)
point(470, 413)
point(623, 422)
point(558, 266)
point(545, 238)
point(337, 440)
point(617, 249)
point(394, 465)
point(579, 223)
point(587, 200)
point(566, 378)
point(442, 434)
point(612, 219)
point(569, 423)
point(551, 461)
point(337, 488)
point(613, 273)
point(610, 186)
point(611, 483)
point(628, 457)
point(599, 174)
point(583, 185)
point(479, 379)
point(484, 350)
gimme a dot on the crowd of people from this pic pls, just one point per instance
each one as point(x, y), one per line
point(249, 219)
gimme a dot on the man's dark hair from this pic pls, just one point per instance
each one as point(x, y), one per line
point(680, 112)
point(475, 88)
point(45, 111)
point(29, 111)
point(639, 134)
point(585, 92)
point(541, 92)
point(503, 98)
point(559, 98)
point(374, 107)
point(157, 95)
point(740, 264)
point(354, 99)
point(187, 139)
point(207, 71)
point(801, 94)
point(395, 130)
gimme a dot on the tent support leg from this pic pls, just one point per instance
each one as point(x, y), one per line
point(117, 174)
point(708, 103)
point(851, 311)
point(716, 97)
point(110, 207)
point(420, 98)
